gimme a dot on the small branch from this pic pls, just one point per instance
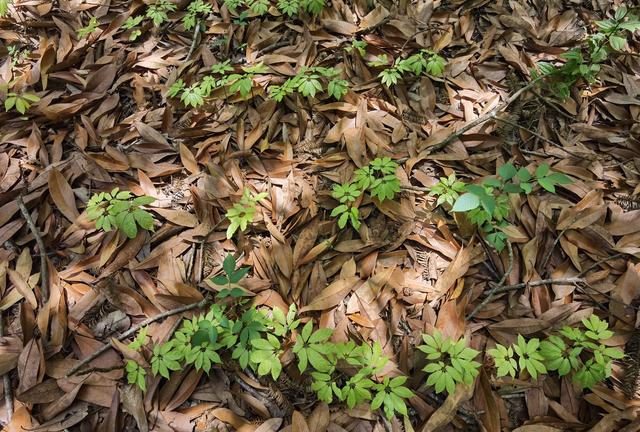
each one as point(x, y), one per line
point(488, 116)
point(549, 252)
point(495, 287)
point(373, 27)
point(195, 40)
point(413, 188)
point(6, 381)
point(133, 330)
point(597, 263)
point(562, 281)
point(524, 128)
point(44, 270)
point(274, 46)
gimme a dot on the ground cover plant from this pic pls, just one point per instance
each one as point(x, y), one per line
point(310, 215)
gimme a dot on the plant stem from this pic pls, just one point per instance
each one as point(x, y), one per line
point(134, 329)
point(496, 286)
point(44, 270)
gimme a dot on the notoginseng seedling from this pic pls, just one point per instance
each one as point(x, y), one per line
point(243, 212)
point(570, 350)
point(487, 204)
point(378, 178)
point(120, 209)
point(449, 363)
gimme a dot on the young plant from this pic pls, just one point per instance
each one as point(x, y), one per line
point(17, 54)
point(90, 28)
point(4, 7)
point(120, 209)
point(358, 46)
point(390, 395)
point(312, 348)
point(195, 8)
point(309, 81)
point(158, 11)
point(230, 279)
point(448, 189)
point(424, 62)
point(136, 375)
point(529, 354)
point(571, 350)
point(288, 7)
point(346, 194)
point(130, 24)
point(243, 212)
point(140, 340)
point(379, 177)
point(487, 204)
point(449, 363)
point(580, 66)
point(614, 32)
point(21, 101)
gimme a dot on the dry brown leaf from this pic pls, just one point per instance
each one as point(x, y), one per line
point(62, 195)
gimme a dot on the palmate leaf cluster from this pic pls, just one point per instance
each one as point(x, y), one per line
point(287, 7)
point(89, 28)
point(243, 212)
point(195, 8)
point(121, 210)
point(229, 280)
point(364, 386)
point(309, 81)
point(378, 178)
point(424, 62)
point(158, 14)
point(571, 350)
point(21, 101)
point(257, 339)
point(584, 64)
point(448, 189)
point(487, 204)
point(449, 362)
point(233, 83)
point(4, 7)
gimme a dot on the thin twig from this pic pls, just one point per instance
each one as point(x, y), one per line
point(561, 281)
point(44, 270)
point(549, 252)
point(412, 188)
point(6, 381)
point(532, 132)
point(374, 27)
point(597, 263)
point(195, 40)
point(488, 116)
point(134, 329)
point(495, 287)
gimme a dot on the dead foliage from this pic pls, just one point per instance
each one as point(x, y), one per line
point(103, 120)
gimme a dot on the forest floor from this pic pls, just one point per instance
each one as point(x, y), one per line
point(94, 85)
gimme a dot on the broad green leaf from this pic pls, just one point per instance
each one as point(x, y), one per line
point(466, 202)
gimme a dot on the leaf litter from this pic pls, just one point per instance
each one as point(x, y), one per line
point(102, 120)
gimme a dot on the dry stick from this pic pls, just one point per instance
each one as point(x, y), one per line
point(488, 116)
point(44, 270)
point(506, 274)
point(6, 381)
point(532, 132)
point(195, 40)
point(134, 329)
point(549, 252)
point(561, 281)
